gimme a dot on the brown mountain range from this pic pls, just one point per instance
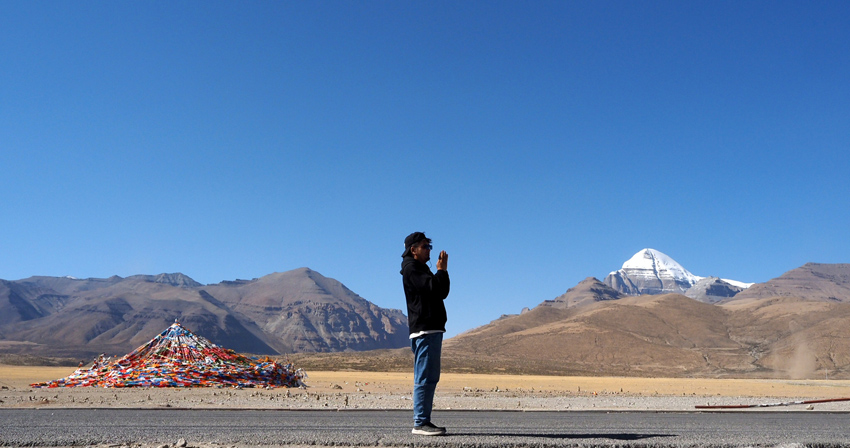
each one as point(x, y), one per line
point(287, 312)
point(813, 281)
point(792, 326)
point(789, 327)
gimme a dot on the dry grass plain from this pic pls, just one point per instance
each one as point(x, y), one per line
point(391, 390)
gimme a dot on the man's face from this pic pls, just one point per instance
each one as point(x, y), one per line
point(421, 251)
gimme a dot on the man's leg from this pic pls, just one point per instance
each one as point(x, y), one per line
point(426, 374)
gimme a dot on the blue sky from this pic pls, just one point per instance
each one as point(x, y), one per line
point(539, 143)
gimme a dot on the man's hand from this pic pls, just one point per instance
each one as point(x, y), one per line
point(443, 261)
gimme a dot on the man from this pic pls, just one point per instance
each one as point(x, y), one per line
point(426, 319)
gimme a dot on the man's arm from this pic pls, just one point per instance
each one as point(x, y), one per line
point(441, 279)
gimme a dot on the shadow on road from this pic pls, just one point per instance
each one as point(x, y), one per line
point(624, 436)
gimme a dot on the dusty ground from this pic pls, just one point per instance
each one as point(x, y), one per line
point(392, 390)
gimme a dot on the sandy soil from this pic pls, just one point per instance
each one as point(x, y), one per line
point(392, 390)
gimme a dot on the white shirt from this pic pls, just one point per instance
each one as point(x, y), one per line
point(423, 333)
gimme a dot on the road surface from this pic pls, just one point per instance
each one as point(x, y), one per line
point(480, 429)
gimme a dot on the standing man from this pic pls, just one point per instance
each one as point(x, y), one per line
point(426, 319)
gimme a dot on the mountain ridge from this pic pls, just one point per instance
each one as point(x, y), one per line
point(789, 327)
point(650, 271)
point(816, 281)
point(287, 312)
point(583, 333)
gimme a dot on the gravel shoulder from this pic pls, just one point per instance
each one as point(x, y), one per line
point(352, 390)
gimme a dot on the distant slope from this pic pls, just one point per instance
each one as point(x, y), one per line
point(712, 290)
point(119, 317)
point(20, 302)
point(301, 310)
point(287, 312)
point(793, 326)
point(588, 331)
point(634, 336)
point(652, 272)
point(813, 281)
point(792, 337)
point(589, 290)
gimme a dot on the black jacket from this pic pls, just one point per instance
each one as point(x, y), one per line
point(425, 292)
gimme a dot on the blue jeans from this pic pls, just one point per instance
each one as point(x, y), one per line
point(426, 374)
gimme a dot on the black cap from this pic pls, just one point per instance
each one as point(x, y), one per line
point(412, 239)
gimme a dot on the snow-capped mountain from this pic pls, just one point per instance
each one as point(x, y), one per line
point(652, 272)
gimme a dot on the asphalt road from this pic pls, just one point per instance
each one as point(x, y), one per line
point(479, 429)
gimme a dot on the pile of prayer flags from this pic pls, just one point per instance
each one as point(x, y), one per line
point(180, 358)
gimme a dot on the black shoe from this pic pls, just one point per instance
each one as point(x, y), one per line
point(429, 429)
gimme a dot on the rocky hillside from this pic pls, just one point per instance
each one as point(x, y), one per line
point(302, 310)
point(790, 329)
point(652, 272)
point(589, 290)
point(712, 290)
point(287, 312)
point(814, 281)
